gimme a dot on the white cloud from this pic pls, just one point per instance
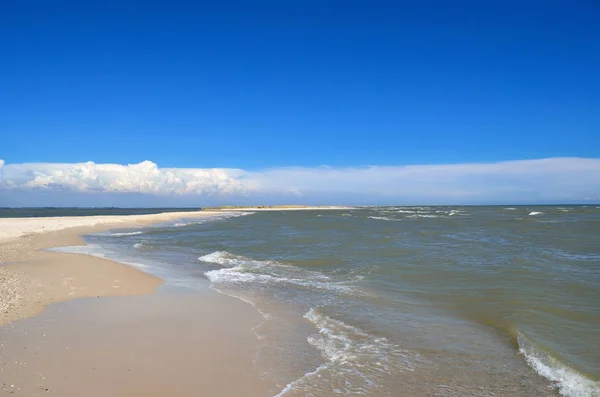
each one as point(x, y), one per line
point(553, 179)
point(144, 177)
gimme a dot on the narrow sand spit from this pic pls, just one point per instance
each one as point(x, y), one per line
point(31, 278)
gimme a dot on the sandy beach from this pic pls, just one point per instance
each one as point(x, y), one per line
point(112, 343)
point(31, 277)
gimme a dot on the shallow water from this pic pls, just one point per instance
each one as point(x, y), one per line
point(501, 301)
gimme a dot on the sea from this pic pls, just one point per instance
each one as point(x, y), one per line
point(398, 301)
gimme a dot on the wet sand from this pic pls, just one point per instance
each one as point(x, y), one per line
point(155, 345)
point(113, 343)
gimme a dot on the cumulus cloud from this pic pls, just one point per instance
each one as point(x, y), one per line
point(543, 180)
point(145, 177)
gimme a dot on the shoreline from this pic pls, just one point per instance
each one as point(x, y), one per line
point(12, 228)
point(55, 337)
point(31, 277)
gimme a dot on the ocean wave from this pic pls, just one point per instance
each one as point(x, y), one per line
point(122, 234)
point(510, 209)
point(533, 213)
point(340, 342)
point(182, 224)
point(355, 360)
point(234, 214)
point(142, 246)
point(573, 256)
point(384, 218)
point(565, 379)
point(188, 222)
point(242, 270)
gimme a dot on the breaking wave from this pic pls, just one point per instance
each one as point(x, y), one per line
point(355, 360)
point(568, 381)
point(142, 246)
point(384, 218)
point(122, 234)
point(240, 270)
point(228, 215)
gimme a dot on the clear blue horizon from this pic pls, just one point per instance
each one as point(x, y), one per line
point(270, 85)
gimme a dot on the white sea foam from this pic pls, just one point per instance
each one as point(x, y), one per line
point(299, 383)
point(241, 270)
point(533, 213)
point(211, 219)
point(144, 245)
point(565, 379)
point(511, 209)
point(97, 251)
point(384, 218)
point(181, 224)
point(123, 234)
point(355, 360)
point(191, 222)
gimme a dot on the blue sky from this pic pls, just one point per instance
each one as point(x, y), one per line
point(257, 86)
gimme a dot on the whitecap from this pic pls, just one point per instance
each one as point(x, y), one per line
point(142, 245)
point(122, 234)
point(241, 270)
point(533, 213)
point(383, 218)
point(188, 222)
point(565, 379)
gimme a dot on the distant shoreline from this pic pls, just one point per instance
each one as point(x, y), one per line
point(276, 208)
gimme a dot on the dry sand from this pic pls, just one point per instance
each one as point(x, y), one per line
point(162, 344)
point(31, 278)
